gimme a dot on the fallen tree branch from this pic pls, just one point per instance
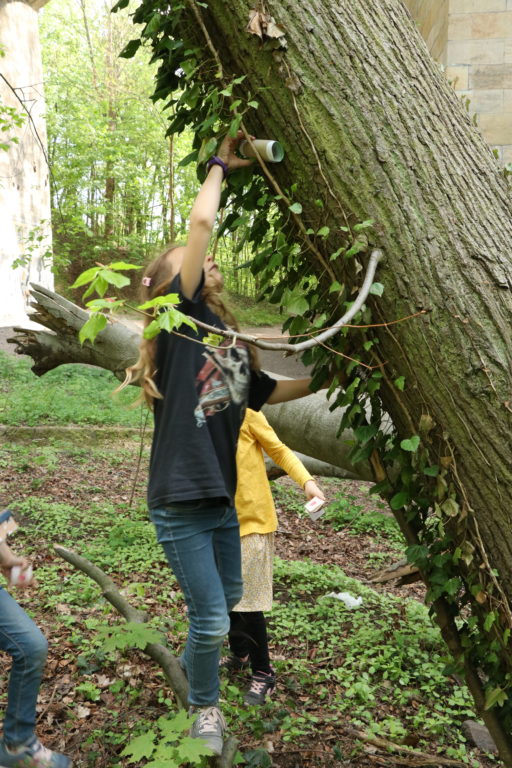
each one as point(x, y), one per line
point(421, 758)
point(169, 664)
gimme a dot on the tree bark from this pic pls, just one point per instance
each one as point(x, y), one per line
point(371, 128)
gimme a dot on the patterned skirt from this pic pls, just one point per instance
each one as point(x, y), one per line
point(257, 572)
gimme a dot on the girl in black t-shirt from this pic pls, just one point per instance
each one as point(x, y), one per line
point(199, 395)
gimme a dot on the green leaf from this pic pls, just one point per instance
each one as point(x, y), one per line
point(335, 254)
point(411, 444)
point(432, 471)
point(253, 104)
point(400, 383)
point(450, 508)
point(86, 277)
point(495, 696)
point(131, 48)
point(234, 126)
point(115, 278)
point(399, 500)
point(170, 299)
point(116, 265)
point(192, 750)
point(336, 287)
point(140, 747)
point(90, 329)
point(295, 208)
point(97, 305)
point(363, 225)
point(323, 232)
point(175, 725)
point(377, 289)
point(489, 620)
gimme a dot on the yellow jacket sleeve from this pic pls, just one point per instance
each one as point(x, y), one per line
point(278, 451)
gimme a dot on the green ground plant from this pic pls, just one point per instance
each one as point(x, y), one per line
point(70, 394)
point(380, 667)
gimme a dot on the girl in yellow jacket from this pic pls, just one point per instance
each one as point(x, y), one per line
point(258, 522)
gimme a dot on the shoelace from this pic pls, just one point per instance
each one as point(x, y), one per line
point(258, 686)
point(209, 719)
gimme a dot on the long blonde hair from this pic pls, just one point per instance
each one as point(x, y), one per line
point(159, 274)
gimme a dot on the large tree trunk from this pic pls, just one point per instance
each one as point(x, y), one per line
point(372, 129)
point(24, 172)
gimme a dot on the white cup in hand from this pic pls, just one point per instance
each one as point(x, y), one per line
point(20, 576)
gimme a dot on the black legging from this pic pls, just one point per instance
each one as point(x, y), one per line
point(248, 637)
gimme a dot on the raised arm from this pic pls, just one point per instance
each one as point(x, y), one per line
point(203, 215)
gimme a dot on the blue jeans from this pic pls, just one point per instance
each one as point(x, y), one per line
point(202, 545)
point(20, 637)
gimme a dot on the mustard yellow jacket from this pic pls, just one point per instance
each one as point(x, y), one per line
point(253, 500)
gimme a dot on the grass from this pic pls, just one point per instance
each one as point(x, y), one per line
point(70, 394)
point(251, 313)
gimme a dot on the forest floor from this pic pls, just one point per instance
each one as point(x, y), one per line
point(356, 688)
point(92, 702)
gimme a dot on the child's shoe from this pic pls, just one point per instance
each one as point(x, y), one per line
point(209, 726)
point(233, 663)
point(32, 755)
point(262, 685)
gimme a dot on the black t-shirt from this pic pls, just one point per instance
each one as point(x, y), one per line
point(205, 393)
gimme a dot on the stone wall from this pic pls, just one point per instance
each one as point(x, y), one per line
point(24, 173)
point(479, 64)
point(432, 19)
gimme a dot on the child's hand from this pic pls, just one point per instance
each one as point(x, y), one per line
point(9, 560)
point(311, 489)
point(227, 150)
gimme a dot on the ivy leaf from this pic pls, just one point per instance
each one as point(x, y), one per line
point(450, 508)
point(377, 289)
point(411, 444)
point(495, 696)
point(489, 620)
point(90, 329)
point(323, 232)
point(295, 208)
point(400, 383)
point(336, 287)
point(399, 500)
point(132, 47)
point(432, 471)
point(363, 225)
point(141, 746)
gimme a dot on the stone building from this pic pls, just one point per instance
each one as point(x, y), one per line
point(472, 39)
